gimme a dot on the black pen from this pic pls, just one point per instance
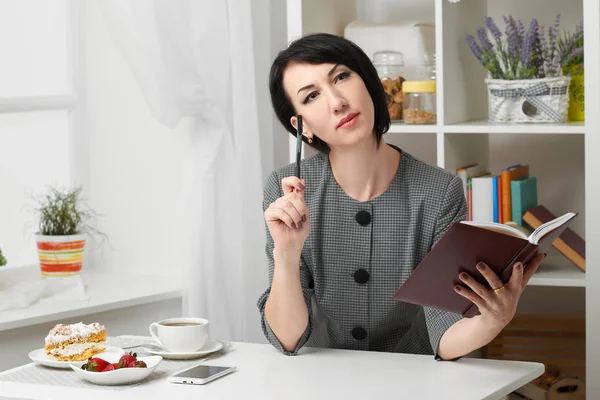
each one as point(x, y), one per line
point(298, 145)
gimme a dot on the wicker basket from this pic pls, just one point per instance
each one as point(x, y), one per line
point(529, 101)
point(556, 340)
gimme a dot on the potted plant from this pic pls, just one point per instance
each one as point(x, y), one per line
point(2, 259)
point(570, 52)
point(525, 76)
point(64, 222)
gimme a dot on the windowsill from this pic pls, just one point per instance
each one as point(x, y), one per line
point(106, 291)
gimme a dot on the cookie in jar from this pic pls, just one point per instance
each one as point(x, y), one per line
point(391, 71)
point(419, 102)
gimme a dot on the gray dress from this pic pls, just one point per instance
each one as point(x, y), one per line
point(359, 253)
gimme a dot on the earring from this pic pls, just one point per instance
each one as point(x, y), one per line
point(310, 139)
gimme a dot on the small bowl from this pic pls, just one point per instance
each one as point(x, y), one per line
point(120, 376)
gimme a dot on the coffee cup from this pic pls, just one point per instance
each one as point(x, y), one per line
point(180, 335)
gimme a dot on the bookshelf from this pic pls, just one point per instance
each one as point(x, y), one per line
point(399, 127)
point(482, 126)
point(561, 156)
point(558, 271)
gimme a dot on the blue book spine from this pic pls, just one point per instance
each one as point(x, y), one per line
point(495, 198)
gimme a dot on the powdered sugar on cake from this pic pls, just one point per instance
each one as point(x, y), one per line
point(62, 333)
point(76, 342)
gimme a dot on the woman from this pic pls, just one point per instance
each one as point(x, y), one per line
point(344, 237)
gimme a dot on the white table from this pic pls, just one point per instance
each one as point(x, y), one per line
point(264, 373)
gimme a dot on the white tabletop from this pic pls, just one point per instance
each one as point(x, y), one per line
point(264, 373)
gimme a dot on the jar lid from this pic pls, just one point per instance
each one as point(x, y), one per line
point(388, 58)
point(419, 86)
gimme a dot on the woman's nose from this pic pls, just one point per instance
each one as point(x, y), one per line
point(337, 102)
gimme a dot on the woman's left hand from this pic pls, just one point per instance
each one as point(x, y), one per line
point(498, 307)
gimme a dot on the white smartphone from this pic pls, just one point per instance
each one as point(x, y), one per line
point(200, 374)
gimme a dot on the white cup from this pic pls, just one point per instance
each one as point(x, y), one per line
point(180, 335)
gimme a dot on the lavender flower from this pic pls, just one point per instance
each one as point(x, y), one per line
point(569, 54)
point(475, 49)
point(512, 36)
point(521, 29)
point(528, 42)
point(550, 52)
point(542, 45)
point(491, 25)
point(526, 53)
point(537, 53)
point(553, 31)
point(578, 52)
point(486, 45)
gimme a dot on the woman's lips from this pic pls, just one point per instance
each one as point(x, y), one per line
point(350, 122)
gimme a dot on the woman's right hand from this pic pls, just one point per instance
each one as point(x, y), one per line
point(287, 217)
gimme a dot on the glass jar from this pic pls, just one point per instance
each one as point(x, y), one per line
point(419, 98)
point(427, 69)
point(391, 70)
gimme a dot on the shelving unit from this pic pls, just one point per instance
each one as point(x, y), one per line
point(558, 271)
point(482, 126)
point(562, 156)
point(399, 127)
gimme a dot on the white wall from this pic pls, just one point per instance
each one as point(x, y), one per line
point(390, 10)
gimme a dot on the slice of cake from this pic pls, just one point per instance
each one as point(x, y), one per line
point(77, 342)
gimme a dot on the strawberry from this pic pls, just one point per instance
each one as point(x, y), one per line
point(109, 367)
point(137, 364)
point(95, 364)
point(127, 359)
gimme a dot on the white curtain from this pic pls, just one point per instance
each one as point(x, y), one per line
point(194, 60)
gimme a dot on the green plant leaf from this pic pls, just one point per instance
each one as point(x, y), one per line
point(63, 212)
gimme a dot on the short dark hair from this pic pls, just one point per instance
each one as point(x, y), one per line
point(324, 48)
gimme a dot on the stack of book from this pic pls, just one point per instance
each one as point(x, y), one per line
point(498, 198)
point(511, 197)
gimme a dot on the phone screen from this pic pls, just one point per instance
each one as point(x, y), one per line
point(201, 372)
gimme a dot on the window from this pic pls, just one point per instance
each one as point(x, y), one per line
point(37, 110)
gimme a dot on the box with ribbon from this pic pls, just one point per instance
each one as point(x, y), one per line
point(544, 100)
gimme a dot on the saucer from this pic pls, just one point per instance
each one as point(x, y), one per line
point(209, 347)
point(39, 356)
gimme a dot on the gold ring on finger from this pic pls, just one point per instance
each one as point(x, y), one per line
point(499, 290)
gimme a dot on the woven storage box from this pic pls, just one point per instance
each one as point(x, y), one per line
point(528, 101)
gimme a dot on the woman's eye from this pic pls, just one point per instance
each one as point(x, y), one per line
point(342, 76)
point(310, 97)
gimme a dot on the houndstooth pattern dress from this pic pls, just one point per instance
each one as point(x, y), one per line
point(359, 253)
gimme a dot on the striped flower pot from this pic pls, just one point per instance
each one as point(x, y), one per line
point(60, 255)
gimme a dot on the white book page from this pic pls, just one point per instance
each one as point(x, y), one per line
point(496, 227)
point(548, 227)
point(534, 238)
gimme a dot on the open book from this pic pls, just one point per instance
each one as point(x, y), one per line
point(463, 245)
point(535, 236)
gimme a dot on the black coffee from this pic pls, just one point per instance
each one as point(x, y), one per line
point(181, 324)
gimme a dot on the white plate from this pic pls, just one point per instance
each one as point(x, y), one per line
point(39, 356)
point(121, 376)
point(209, 347)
